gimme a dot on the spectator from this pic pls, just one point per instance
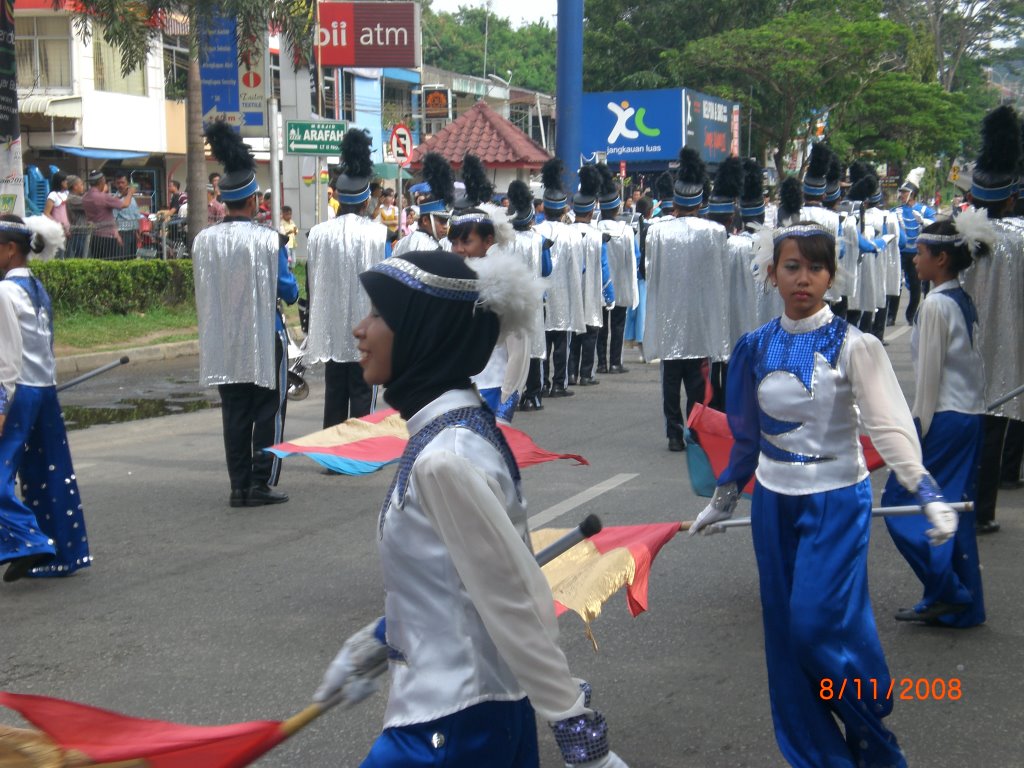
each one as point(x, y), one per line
point(127, 218)
point(375, 194)
point(99, 207)
point(79, 225)
point(387, 211)
point(176, 198)
point(290, 230)
point(56, 202)
point(264, 215)
point(215, 209)
point(215, 183)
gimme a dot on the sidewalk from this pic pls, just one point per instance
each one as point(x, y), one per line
point(71, 365)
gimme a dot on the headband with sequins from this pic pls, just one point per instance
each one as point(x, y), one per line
point(407, 273)
point(14, 226)
point(801, 230)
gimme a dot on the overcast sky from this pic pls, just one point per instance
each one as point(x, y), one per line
point(519, 11)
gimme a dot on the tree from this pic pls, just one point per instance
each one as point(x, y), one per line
point(801, 65)
point(134, 26)
point(960, 30)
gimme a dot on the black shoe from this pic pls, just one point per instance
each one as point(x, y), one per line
point(618, 369)
point(561, 392)
point(932, 612)
point(676, 445)
point(21, 566)
point(602, 369)
point(573, 381)
point(589, 381)
point(262, 494)
point(989, 526)
point(890, 322)
point(238, 497)
point(531, 404)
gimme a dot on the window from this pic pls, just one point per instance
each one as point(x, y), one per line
point(107, 69)
point(176, 61)
point(43, 46)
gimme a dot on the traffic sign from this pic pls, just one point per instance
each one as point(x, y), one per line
point(313, 138)
point(401, 144)
point(232, 92)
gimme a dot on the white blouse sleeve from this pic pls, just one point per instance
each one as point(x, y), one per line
point(501, 577)
point(518, 365)
point(883, 410)
point(933, 342)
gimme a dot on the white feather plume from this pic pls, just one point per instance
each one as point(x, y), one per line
point(504, 232)
point(508, 289)
point(915, 176)
point(975, 228)
point(52, 234)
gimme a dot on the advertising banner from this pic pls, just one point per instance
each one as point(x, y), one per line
point(632, 125)
point(368, 35)
point(12, 184)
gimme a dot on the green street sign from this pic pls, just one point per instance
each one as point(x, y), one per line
point(309, 138)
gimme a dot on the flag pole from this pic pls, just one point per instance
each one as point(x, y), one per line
point(910, 509)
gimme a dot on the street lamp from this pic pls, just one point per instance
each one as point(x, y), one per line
point(507, 85)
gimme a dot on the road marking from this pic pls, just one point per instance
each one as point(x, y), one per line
point(581, 498)
point(897, 333)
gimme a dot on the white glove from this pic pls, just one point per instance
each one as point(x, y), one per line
point(718, 509)
point(611, 760)
point(354, 671)
point(944, 521)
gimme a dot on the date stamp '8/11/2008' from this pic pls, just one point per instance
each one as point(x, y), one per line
point(886, 689)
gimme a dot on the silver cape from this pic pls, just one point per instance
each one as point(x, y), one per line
point(686, 314)
point(622, 262)
point(528, 246)
point(741, 293)
point(417, 240)
point(996, 283)
point(235, 267)
point(339, 249)
point(593, 282)
point(564, 285)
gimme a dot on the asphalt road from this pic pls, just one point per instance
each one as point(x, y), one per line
point(195, 612)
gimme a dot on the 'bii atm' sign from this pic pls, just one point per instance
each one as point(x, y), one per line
point(368, 35)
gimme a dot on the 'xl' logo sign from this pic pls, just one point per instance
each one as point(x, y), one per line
point(623, 112)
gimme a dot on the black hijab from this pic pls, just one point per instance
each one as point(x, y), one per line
point(441, 337)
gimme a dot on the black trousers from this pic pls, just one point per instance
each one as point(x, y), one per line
point(534, 380)
point(892, 306)
point(556, 371)
point(582, 352)
point(609, 338)
point(253, 419)
point(1013, 451)
point(878, 323)
point(990, 467)
point(676, 374)
point(346, 393)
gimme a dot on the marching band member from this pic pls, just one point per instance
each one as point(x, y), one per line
point(686, 322)
point(453, 542)
point(797, 388)
point(564, 309)
point(914, 216)
point(338, 251)
point(434, 196)
point(949, 400)
point(241, 270)
point(623, 261)
point(43, 533)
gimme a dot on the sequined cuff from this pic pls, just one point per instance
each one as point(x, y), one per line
point(5, 401)
point(507, 409)
point(582, 739)
point(928, 491)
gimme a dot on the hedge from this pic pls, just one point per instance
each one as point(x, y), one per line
point(115, 287)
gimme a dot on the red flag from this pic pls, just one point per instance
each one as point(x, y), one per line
point(584, 577)
point(107, 737)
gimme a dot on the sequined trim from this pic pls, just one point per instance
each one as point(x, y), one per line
point(476, 419)
point(582, 739)
point(928, 491)
point(13, 226)
point(469, 218)
point(801, 230)
point(456, 289)
point(4, 399)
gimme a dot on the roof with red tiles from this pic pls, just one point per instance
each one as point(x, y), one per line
point(489, 136)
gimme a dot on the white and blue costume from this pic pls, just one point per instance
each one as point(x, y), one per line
point(948, 404)
point(34, 444)
point(795, 392)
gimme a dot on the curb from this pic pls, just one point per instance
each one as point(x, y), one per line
point(73, 364)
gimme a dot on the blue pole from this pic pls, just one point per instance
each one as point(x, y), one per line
point(569, 83)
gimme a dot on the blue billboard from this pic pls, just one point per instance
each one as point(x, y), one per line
point(633, 125)
point(653, 125)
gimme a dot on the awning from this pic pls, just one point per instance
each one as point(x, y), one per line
point(51, 106)
point(389, 171)
point(101, 154)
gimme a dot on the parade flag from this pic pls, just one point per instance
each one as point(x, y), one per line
point(715, 440)
point(364, 445)
point(77, 735)
point(584, 577)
